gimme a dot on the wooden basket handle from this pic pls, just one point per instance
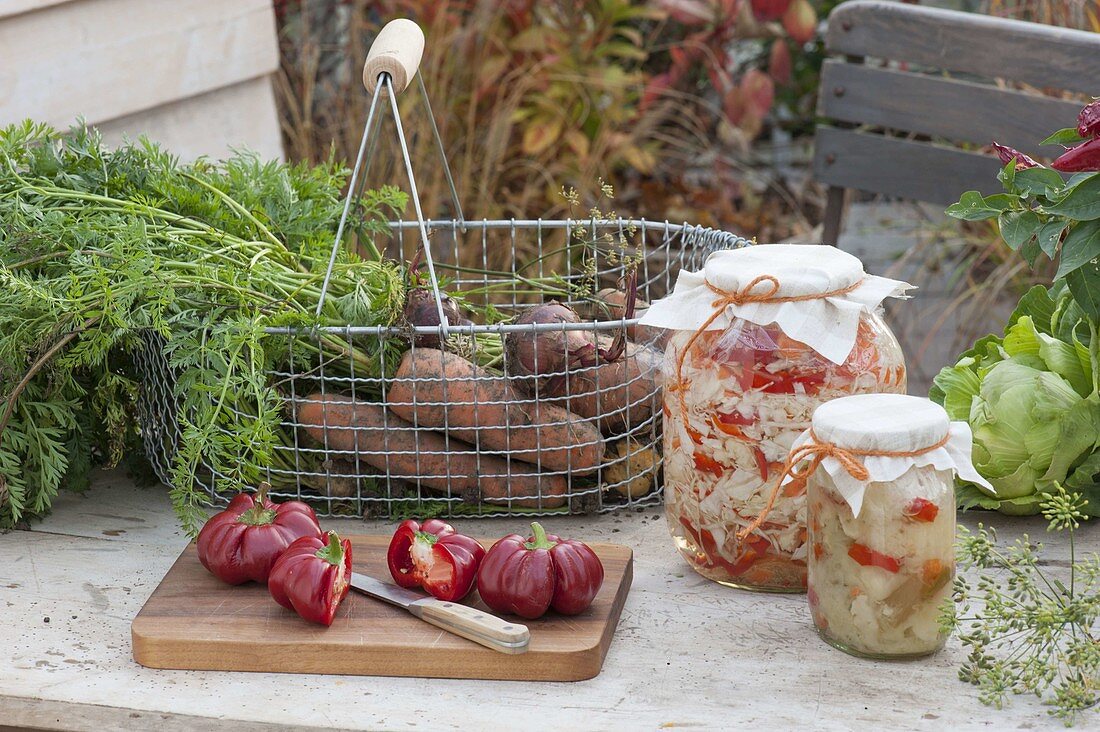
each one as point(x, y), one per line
point(396, 50)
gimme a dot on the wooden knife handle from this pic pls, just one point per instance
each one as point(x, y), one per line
point(473, 624)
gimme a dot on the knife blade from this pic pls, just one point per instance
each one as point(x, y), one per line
point(462, 620)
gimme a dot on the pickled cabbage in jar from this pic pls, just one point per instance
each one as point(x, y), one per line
point(742, 382)
point(878, 581)
point(882, 521)
point(748, 393)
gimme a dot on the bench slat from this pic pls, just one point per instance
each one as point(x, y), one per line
point(1040, 55)
point(894, 167)
point(949, 108)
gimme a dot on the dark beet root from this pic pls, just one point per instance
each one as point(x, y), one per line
point(536, 357)
point(420, 310)
point(615, 302)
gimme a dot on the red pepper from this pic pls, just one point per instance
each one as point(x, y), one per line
point(707, 464)
point(242, 542)
point(921, 509)
point(868, 557)
point(311, 577)
point(1006, 153)
point(1084, 158)
point(1088, 120)
point(431, 555)
point(783, 382)
point(735, 418)
point(528, 577)
point(761, 462)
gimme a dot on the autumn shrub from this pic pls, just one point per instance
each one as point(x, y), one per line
point(666, 99)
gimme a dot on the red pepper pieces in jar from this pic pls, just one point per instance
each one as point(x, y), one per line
point(867, 557)
point(921, 509)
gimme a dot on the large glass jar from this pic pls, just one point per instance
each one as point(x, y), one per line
point(735, 401)
point(881, 559)
point(749, 392)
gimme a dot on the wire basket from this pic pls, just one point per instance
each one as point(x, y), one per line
point(368, 435)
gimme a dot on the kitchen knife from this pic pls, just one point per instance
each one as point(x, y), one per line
point(463, 620)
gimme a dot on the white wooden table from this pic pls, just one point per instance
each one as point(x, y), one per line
point(687, 653)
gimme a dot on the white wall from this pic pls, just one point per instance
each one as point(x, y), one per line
point(194, 75)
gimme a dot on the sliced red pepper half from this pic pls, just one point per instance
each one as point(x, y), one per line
point(311, 577)
point(433, 556)
point(921, 509)
point(868, 557)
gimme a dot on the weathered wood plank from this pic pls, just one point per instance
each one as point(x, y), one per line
point(240, 115)
point(1041, 55)
point(15, 7)
point(950, 108)
point(895, 167)
point(22, 714)
point(110, 58)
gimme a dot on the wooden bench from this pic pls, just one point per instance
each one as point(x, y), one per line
point(952, 80)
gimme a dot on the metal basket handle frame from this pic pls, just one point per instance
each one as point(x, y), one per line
point(392, 62)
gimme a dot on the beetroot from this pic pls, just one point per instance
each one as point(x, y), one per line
point(616, 301)
point(538, 358)
point(420, 310)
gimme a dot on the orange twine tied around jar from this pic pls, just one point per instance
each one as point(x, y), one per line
point(816, 452)
point(744, 296)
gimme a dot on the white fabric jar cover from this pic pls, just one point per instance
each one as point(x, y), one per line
point(826, 324)
point(888, 423)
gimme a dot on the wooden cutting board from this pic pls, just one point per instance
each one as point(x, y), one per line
point(194, 621)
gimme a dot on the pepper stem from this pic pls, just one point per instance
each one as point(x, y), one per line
point(427, 537)
point(540, 540)
point(259, 514)
point(333, 552)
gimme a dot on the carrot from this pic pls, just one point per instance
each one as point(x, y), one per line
point(445, 391)
point(383, 440)
point(619, 395)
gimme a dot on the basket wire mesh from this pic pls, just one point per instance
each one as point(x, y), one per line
point(476, 444)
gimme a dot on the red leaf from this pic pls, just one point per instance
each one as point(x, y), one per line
point(734, 106)
point(779, 62)
point(766, 10)
point(759, 92)
point(800, 20)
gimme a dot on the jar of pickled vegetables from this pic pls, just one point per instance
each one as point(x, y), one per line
point(764, 334)
point(882, 521)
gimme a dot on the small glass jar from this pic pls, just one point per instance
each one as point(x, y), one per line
point(741, 396)
point(882, 560)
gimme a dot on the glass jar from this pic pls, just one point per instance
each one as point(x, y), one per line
point(749, 391)
point(881, 559)
point(744, 372)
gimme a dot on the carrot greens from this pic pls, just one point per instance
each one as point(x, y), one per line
point(106, 252)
